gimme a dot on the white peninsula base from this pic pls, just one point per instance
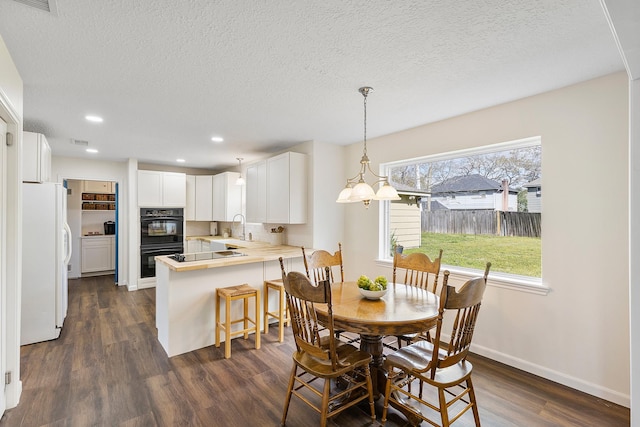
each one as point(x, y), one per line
point(186, 298)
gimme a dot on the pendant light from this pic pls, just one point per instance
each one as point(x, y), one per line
point(357, 189)
point(240, 180)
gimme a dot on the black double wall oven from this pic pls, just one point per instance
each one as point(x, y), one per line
point(161, 233)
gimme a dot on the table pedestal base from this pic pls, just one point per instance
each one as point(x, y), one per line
point(372, 344)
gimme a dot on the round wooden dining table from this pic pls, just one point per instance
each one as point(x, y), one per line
point(402, 310)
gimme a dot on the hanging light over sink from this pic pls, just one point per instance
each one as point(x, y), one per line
point(240, 180)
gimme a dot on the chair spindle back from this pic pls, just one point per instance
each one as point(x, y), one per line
point(466, 305)
point(419, 270)
point(301, 297)
point(316, 263)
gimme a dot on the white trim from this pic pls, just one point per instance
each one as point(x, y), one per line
point(513, 282)
point(13, 253)
point(531, 141)
point(147, 282)
point(553, 375)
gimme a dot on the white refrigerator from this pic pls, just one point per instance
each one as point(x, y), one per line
point(46, 250)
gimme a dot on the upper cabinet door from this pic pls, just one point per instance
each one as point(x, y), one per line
point(287, 189)
point(149, 189)
point(257, 192)
point(204, 198)
point(174, 189)
point(278, 189)
point(190, 205)
point(36, 158)
point(227, 196)
point(106, 187)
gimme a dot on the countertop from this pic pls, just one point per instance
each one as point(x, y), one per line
point(254, 251)
point(94, 236)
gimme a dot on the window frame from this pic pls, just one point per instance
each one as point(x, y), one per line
point(527, 284)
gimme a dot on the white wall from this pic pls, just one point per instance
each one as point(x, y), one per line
point(82, 169)
point(327, 222)
point(578, 334)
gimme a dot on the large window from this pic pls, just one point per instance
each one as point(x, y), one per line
point(477, 205)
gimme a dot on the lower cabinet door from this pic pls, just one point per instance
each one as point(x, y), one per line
point(97, 255)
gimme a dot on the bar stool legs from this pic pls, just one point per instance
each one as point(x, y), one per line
point(233, 293)
point(282, 314)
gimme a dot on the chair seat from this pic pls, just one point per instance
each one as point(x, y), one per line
point(348, 357)
point(414, 357)
point(236, 291)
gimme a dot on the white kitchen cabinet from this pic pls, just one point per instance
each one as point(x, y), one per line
point(174, 189)
point(287, 189)
point(98, 254)
point(103, 187)
point(150, 188)
point(204, 198)
point(227, 196)
point(36, 158)
point(190, 205)
point(161, 189)
point(256, 204)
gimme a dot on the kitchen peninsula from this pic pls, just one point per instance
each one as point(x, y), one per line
point(185, 291)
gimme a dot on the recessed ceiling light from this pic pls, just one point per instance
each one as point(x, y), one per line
point(91, 150)
point(217, 139)
point(94, 119)
point(180, 160)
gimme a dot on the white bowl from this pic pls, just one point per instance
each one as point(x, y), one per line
point(372, 294)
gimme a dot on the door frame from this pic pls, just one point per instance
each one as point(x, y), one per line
point(12, 256)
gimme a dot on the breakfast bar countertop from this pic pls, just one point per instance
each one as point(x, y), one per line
point(255, 252)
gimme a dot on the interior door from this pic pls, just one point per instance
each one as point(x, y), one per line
point(3, 278)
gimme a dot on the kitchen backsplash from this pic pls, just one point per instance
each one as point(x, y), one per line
point(197, 228)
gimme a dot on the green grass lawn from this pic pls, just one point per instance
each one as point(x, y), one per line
point(514, 255)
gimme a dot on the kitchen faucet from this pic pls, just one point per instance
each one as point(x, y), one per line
point(243, 222)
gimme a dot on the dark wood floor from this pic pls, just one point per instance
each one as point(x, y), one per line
point(108, 369)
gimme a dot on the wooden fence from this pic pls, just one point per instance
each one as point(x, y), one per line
point(523, 224)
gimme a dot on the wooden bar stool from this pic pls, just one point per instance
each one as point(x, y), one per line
point(233, 293)
point(283, 312)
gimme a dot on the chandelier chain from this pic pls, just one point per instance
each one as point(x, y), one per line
point(365, 123)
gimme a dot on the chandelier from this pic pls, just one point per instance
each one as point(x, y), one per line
point(357, 190)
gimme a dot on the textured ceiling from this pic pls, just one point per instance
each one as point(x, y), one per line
point(166, 76)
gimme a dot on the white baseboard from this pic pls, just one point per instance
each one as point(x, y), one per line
point(148, 282)
point(559, 377)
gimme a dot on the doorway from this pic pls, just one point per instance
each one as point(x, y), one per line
point(91, 215)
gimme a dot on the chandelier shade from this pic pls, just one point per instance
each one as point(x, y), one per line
point(357, 189)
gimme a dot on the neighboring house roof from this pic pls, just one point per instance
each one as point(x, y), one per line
point(535, 183)
point(467, 183)
point(406, 189)
point(436, 205)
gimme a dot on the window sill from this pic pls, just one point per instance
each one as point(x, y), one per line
point(500, 280)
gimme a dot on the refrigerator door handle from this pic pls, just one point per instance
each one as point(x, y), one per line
point(67, 257)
